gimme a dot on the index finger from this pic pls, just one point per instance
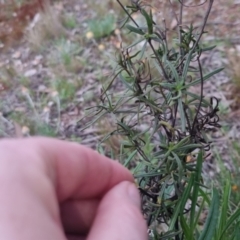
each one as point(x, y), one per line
point(76, 171)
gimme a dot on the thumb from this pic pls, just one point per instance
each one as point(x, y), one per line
point(119, 216)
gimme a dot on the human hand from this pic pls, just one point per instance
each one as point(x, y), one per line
point(54, 190)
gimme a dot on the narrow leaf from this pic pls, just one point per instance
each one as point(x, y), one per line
point(224, 208)
point(195, 194)
point(230, 221)
point(207, 76)
point(182, 114)
point(207, 48)
point(185, 228)
point(136, 42)
point(212, 218)
point(149, 20)
point(134, 29)
point(130, 158)
point(173, 71)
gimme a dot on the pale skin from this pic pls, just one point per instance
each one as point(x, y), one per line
point(55, 190)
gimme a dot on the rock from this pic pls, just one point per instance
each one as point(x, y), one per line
point(50, 104)
point(238, 49)
point(16, 55)
point(18, 65)
point(77, 8)
point(37, 60)
point(2, 64)
point(19, 109)
point(173, 24)
point(25, 130)
point(30, 73)
point(43, 89)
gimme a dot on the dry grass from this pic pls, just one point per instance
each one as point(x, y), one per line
point(233, 56)
point(46, 25)
point(14, 16)
point(112, 5)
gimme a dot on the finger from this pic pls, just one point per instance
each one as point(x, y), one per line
point(77, 172)
point(72, 237)
point(77, 216)
point(119, 216)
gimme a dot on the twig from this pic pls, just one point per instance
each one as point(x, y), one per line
point(180, 35)
point(201, 95)
point(199, 64)
point(127, 13)
point(204, 24)
point(159, 61)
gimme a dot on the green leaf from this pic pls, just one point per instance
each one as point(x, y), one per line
point(130, 158)
point(186, 193)
point(207, 48)
point(143, 50)
point(205, 196)
point(224, 208)
point(111, 82)
point(180, 166)
point(179, 209)
point(127, 78)
point(195, 193)
point(195, 97)
point(212, 218)
point(136, 42)
point(198, 214)
point(168, 235)
point(190, 147)
point(207, 76)
point(167, 85)
point(134, 29)
point(182, 115)
point(148, 19)
point(173, 71)
point(154, 174)
point(186, 65)
point(182, 143)
point(185, 228)
point(158, 68)
point(230, 221)
point(237, 233)
point(94, 120)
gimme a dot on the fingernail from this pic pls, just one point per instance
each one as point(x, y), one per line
point(134, 194)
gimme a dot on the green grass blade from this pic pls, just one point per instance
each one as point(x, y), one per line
point(130, 158)
point(181, 203)
point(180, 166)
point(230, 221)
point(224, 208)
point(185, 228)
point(237, 233)
point(212, 218)
point(169, 235)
